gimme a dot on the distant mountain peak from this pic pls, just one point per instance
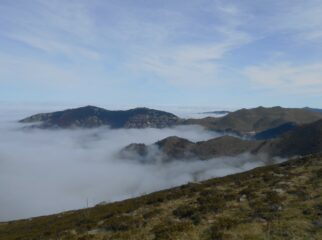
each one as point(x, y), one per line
point(252, 121)
point(92, 116)
point(298, 141)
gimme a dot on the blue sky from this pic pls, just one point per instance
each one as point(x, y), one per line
point(160, 52)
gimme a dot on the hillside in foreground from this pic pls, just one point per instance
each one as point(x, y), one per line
point(282, 201)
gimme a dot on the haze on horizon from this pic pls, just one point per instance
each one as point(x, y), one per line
point(184, 53)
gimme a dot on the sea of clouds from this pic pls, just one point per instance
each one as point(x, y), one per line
point(49, 171)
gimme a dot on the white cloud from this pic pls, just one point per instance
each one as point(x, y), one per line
point(46, 171)
point(181, 44)
point(305, 19)
point(25, 70)
point(286, 77)
point(299, 21)
point(52, 46)
point(192, 62)
point(172, 42)
point(52, 26)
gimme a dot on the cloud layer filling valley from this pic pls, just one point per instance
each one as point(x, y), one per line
point(49, 171)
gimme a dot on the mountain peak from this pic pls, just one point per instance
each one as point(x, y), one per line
point(92, 116)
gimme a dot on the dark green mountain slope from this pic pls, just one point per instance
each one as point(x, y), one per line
point(174, 148)
point(260, 122)
point(275, 132)
point(302, 140)
point(90, 116)
point(252, 121)
point(314, 109)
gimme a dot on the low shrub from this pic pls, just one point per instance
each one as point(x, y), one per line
point(170, 230)
point(221, 225)
point(210, 202)
point(121, 223)
point(188, 212)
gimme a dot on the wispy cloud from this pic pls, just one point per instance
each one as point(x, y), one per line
point(299, 21)
point(51, 26)
point(192, 46)
point(172, 45)
point(286, 77)
point(191, 64)
point(304, 18)
point(190, 52)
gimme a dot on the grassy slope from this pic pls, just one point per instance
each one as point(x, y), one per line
point(257, 119)
point(276, 202)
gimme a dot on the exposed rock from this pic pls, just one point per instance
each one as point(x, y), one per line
point(243, 198)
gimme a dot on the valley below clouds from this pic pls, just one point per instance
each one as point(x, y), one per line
point(49, 171)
